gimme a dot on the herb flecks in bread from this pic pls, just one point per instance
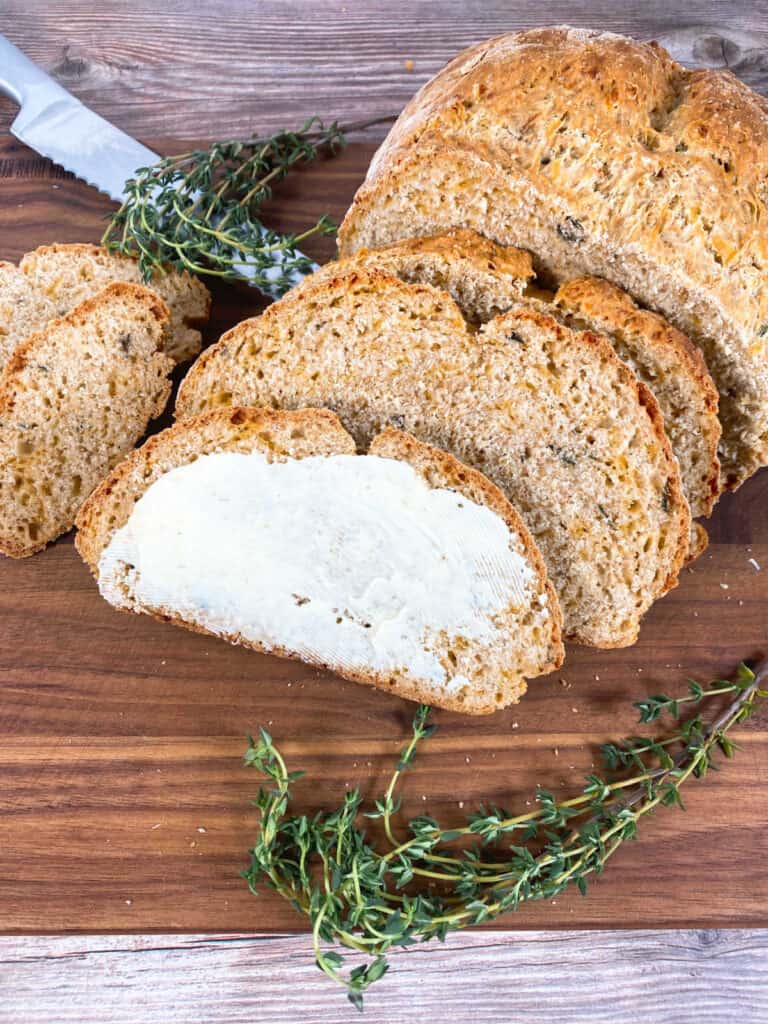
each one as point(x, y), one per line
point(483, 278)
point(602, 156)
point(399, 567)
point(74, 398)
point(550, 415)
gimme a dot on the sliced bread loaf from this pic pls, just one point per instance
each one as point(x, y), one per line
point(74, 398)
point(550, 415)
point(54, 279)
point(602, 156)
point(401, 567)
point(486, 278)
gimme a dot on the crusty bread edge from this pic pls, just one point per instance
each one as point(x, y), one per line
point(686, 352)
point(647, 400)
point(345, 272)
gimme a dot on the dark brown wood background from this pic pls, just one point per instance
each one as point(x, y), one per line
point(123, 803)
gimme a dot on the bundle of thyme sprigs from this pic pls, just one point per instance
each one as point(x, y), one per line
point(199, 211)
point(353, 893)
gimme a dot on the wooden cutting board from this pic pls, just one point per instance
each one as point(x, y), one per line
point(123, 801)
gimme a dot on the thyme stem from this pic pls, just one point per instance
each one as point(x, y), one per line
point(360, 898)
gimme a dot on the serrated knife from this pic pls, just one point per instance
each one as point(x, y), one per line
point(57, 125)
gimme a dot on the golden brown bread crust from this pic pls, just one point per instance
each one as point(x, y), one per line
point(675, 496)
point(238, 428)
point(659, 171)
point(457, 244)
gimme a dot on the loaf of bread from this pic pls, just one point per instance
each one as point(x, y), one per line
point(486, 278)
point(400, 568)
point(602, 156)
point(552, 416)
point(74, 398)
point(53, 279)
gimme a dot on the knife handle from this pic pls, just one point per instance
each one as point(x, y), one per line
point(18, 75)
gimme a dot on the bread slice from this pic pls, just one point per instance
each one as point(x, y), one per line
point(671, 366)
point(603, 157)
point(74, 398)
point(23, 310)
point(486, 278)
point(60, 277)
point(552, 416)
point(400, 568)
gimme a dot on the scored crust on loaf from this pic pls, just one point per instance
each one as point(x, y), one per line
point(552, 416)
point(486, 278)
point(602, 156)
point(53, 279)
point(74, 398)
point(528, 639)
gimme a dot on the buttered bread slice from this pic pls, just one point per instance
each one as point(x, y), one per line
point(54, 279)
point(74, 398)
point(399, 567)
point(552, 416)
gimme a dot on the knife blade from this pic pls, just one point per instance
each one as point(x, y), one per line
point(57, 125)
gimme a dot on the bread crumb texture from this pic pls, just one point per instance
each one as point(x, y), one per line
point(51, 281)
point(486, 278)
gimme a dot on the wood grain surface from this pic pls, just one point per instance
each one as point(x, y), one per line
point(121, 738)
point(233, 66)
point(123, 805)
point(667, 977)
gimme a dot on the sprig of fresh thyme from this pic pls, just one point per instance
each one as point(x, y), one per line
point(354, 893)
point(199, 211)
